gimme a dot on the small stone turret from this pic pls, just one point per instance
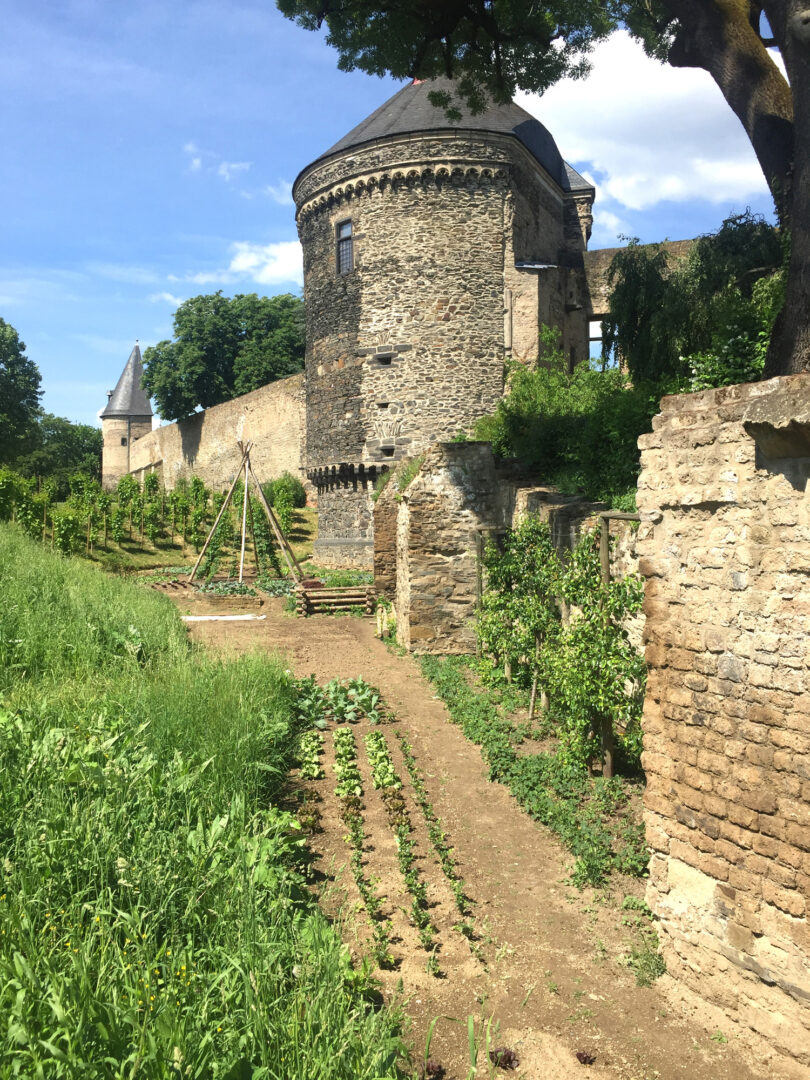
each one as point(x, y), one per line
point(126, 417)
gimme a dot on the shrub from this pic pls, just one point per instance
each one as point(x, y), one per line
point(289, 484)
point(577, 430)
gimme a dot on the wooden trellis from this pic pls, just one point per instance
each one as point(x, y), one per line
point(247, 514)
point(312, 596)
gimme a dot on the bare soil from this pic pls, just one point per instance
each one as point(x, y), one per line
point(548, 980)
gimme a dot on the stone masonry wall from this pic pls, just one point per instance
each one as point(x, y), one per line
point(385, 542)
point(407, 348)
point(426, 540)
point(272, 417)
point(454, 494)
point(725, 546)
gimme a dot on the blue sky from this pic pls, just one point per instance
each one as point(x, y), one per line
point(148, 151)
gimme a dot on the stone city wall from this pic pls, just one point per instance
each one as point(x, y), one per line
point(272, 417)
point(725, 549)
point(597, 264)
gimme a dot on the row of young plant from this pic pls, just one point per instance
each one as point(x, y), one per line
point(155, 918)
point(386, 781)
point(349, 791)
point(143, 514)
point(592, 816)
point(347, 703)
point(389, 784)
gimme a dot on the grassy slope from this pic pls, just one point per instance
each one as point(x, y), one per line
point(153, 919)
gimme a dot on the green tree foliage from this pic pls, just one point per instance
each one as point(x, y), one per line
point(60, 450)
point(19, 396)
point(577, 430)
point(224, 347)
point(706, 321)
point(496, 47)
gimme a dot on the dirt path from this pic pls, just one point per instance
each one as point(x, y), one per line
point(550, 983)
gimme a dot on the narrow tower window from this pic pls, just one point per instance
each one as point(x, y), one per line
point(345, 254)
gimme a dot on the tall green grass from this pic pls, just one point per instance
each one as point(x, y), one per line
point(154, 919)
point(60, 618)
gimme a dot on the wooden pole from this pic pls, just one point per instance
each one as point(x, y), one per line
point(604, 549)
point(222, 509)
point(295, 570)
point(253, 537)
point(244, 524)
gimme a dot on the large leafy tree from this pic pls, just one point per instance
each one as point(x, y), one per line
point(224, 347)
point(668, 321)
point(19, 395)
point(493, 47)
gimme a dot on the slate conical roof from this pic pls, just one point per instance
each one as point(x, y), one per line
point(129, 398)
point(409, 112)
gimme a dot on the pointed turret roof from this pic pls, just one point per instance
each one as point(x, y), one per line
point(129, 397)
point(410, 112)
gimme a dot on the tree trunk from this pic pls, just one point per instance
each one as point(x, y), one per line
point(789, 350)
point(719, 37)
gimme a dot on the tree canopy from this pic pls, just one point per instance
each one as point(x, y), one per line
point(224, 347)
point(703, 322)
point(60, 450)
point(19, 395)
point(494, 47)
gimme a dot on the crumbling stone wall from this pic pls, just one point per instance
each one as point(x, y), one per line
point(385, 542)
point(426, 540)
point(725, 548)
point(272, 417)
point(454, 494)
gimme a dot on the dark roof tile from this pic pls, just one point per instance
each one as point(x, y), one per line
point(410, 111)
point(129, 398)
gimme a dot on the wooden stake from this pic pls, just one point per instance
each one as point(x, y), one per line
point(244, 525)
point(253, 538)
point(222, 509)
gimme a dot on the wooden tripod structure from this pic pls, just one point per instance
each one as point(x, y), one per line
point(246, 469)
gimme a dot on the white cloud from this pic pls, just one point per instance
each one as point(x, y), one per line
point(195, 156)
point(607, 228)
point(649, 131)
point(268, 264)
point(280, 193)
point(262, 264)
point(129, 275)
point(228, 169)
point(166, 298)
point(209, 277)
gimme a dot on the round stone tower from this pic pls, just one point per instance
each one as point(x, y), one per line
point(433, 251)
